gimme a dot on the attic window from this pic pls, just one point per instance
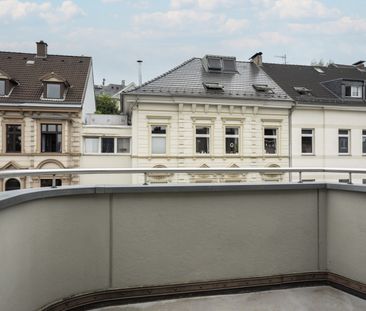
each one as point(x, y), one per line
point(213, 86)
point(318, 69)
point(53, 90)
point(2, 87)
point(214, 63)
point(229, 64)
point(55, 87)
point(354, 91)
point(302, 90)
point(263, 88)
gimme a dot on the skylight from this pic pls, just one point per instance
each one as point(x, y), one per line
point(319, 69)
point(302, 90)
point(263, 88)
point(213, 85)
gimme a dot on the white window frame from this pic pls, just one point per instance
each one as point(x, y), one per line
point(348, 136)
point(50, 85)
point(208, 136)
point(356, 91)
point(232, 136)
point(99, 152)
point(312, 140)
point(270, 136)
point(152, 136)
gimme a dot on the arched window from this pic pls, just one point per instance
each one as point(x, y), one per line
point(12, 184)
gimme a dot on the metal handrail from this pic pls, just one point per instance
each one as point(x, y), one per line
point(145, 171)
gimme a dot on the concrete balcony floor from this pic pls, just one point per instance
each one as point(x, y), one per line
point(322, 298)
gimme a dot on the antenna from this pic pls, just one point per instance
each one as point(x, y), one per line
point(140, 71)
point(283, 57)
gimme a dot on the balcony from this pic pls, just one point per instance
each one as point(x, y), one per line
point(88, 247)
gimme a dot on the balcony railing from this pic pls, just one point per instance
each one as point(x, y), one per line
point(145, 171)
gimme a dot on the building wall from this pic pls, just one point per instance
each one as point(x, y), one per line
point(103, 160)
point(89, 105)
point(326, 123)
point(180, 117)
point(31, 156)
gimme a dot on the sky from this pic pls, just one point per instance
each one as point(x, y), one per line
point(165, 33)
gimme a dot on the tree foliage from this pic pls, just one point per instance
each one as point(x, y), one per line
point(321, 62)
point(105, 104)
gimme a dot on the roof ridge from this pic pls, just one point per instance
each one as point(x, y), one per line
point(298, 65)
point(34, 54)
point(165, 73)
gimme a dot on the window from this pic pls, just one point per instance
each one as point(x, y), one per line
point(158, 139)
point(232, 140)
point(91, 144)
point(12, 184)
point(51, 138)
point(364, 141)
point(307, 141)
point(202, 139)
point(53, 90)
point(343, 141)
point(344, 180)
point(13, 138)
point(113, 145)
point(123, 145)
point(107, 145)
point(2, 87)
point(48, 182)
point(353, 91)
point(270, 140)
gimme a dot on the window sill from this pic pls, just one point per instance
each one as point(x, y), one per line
point(308, 154)
point(344, 154)
point(106, 154)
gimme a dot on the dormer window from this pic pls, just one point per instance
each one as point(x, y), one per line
point(2, 87)
point(225, 64)
point(7, 84)
point(53, 90)
point(353, 91)
point(54, 87)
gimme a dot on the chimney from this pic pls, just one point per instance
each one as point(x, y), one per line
point(123, 83)
point(360, 64)
point(103, 83)
point(41, 49)
point(140, 71)
point(257, 59)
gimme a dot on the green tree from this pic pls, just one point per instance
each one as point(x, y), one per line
point(105, 104)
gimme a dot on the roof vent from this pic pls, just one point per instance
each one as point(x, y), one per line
point(213, 85)
point(29, 62)
point(302, 90)
point(264, 88)
point(318, 69)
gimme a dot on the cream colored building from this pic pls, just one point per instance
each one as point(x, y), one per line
point(43, 103)
point(210, 112)
point(328, 120)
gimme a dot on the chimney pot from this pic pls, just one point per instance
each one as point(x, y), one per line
point(41, 49)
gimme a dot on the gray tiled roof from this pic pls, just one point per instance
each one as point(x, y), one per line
point(187, 80)
point(74, 69)
point(290, 76)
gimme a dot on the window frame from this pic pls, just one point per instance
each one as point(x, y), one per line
point(52, 132)
point(206, 136)
point(2, 81)
point(49, 84)
point(115, 145)
point(6, 138)
point(235, 136)
point(348, 136)
point(359, 88)
point(158, 135)
point(276, 137)
point(363, 137)
point(312, 135)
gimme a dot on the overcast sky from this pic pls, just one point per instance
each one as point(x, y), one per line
point(164, 33)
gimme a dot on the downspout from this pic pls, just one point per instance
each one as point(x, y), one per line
point(290, 138)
